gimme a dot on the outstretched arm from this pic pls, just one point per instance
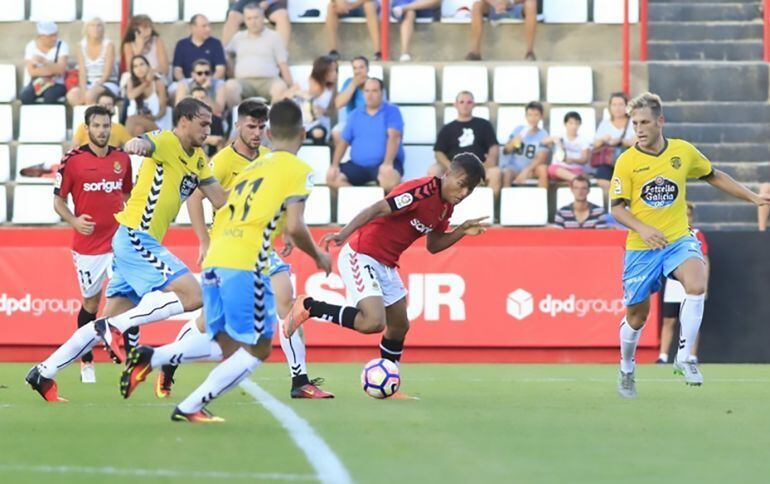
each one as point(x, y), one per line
point(727, 184)
point(375, 211)
point(441, 241)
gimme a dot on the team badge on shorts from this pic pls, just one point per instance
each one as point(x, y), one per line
point(676, 162)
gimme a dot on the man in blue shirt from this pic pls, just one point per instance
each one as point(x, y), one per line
point(199, 45)
point(374, 133)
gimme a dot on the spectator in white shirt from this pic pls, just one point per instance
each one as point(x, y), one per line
point(570, 153)
point(97, 70)
point(46, 62)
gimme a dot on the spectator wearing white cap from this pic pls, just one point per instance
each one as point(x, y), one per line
point(46, 61)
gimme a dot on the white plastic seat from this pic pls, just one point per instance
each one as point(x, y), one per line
point(570, 85)
point(107, 10)
point(5, 163)
point(6, 123)
point(419, 124)
point(450, 113)
point(516, 84)
point(412, 84)
point(524, 206)
point(318, 207)
point(480, 203)
point(7, 83)
point(508, 118)
point(33, 204)
point(565, 11)
point(345, 72)
point(587, 127)
point(159, 11)
point(45, 123)
point(214, 10)
point(78, 114)
point(611, 11)
point(298, 7)
point(319, 158)
point(300, 74)
point(564, 196)
point(473, 78)
point(351, 200)
point(13, 11)
point(31, 155)
point(53, 10)
point(456, 11)
point(3, 206)
point(183, 217)
point(418, 158)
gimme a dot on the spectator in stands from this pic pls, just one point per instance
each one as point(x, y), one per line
point(570, 152)
point(275, 12)
point(146, 94)
point(201, 76)
point(406, 12)
point(317, 100)
point(526, 154)
point(612, 137)
point(199, 45)
point(356, 8)
point(497, 10)
point(374, 133)
point(217, 137)
point(468, 133)
point(97, 69)
point(46, 62)
point(351, 96)
point(141, 38)
point(763, 212)
point(261, 61)
point(119, 135)
point(580, 214)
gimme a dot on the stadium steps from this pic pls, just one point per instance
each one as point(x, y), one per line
point(743, 49)
point(757, 151)
point(699, 31)
point(699, 192)
point(709, 81)
point(698, 10)
point(718, 133)
point(726, 112)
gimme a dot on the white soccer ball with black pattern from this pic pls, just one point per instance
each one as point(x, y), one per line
point(380, 378)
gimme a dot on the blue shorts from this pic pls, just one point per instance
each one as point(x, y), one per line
point(514, 12)
point(238, 304)
point(277, 265)
point(140, 265)
point(358, 175)
point(644, 270)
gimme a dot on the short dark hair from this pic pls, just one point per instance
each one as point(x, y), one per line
point(189, 108)
point(537, 105)
point(285, 120)
point(107, 93)
point(580, 178)
point(199, 89)
point(361, 58)
point(201, 62)
point(252, 108)
point(253, 6)
point(96, 111)
point(195, 18)
point(573, 115)
point(471, 165)
point(379, 81)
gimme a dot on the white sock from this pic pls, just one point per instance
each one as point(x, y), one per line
point(222, 379)
point(190, 327)
point(154, 306)
point(629, 337)
point(663, 357)
point(690, 317)
point(79, 343)
point(193, 347)
point(294, 349)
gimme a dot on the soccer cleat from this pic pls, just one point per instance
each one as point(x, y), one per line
point(297, 315)
point(660, 361)
point(137, 369)
point(201, 416)
point(112, 342)
point(164, 381)
point(46, 387)
point(311, 390)
point(689, 369)
point(87, 372)
point(627, 385)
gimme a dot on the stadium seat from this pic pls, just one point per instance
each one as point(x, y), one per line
point(611, 11)
point(300, 73)
point(319, 158)
point(302, 11)
point(570, 85)
point(471, 78)
point(318, 207)
point(42, 123)
point(345, 72)
point(183, 217)
point(456, 11)
point(53, 10)
point(214, 10)
point(412, 84)
point(564, 196)
point(516, 84)
point(7, 83)
point(78, 114)
point(107, 10)
point(159, 12)
point(3, 206)
point(418, 159)
point(587, 127)
point(524, 206)
point(31, 155)
point(6, 123)
point(5, 163)
point(450, 113)
point(565, 11)
point(351, 200)
point(419, 124)
point(508, 118)
point(33, 204)
point(480, 203)
point(13, 11)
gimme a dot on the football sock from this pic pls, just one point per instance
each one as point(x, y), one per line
point(690, 317)
point(131, 339)
point(194, 347)
point(294, 349)
point(343, 315)
point(663, 357)
point(391, 349)
point(154, 306)
point(189, 328)
point(629, 337)
point(79, 343)
point(84, 317)
point(221, 379)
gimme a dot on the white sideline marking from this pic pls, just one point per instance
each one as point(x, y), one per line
point(133, 472)
point(328, 467)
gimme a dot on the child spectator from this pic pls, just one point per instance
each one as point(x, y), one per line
point(570, 153)
point(527, 156)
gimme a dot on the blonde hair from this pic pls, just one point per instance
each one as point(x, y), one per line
point(95, 20)
point(647, 100)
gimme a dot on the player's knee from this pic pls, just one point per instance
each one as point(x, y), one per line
point(372, 324)
point(695, 288)
point(91, 304)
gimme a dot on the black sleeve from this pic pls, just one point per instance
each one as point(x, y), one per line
point(490, 137)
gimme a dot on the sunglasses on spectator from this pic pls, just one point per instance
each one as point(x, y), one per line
point(203, 73)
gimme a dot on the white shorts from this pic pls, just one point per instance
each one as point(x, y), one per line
point(365, 277)
point(93, 271)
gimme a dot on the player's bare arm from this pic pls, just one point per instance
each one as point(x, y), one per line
point(81, 224)
point(212, 190)
point(375, 211)
point(139, 146)
point(653, 237)
point(300, 236)
point(436, 242)
point(726, 183)
point(288, 245)
point(198, 222)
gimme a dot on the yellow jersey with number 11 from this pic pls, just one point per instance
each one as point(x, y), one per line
point(228, 164)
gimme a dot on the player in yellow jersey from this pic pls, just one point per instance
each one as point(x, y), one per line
point(149, 283)
point(648, 196)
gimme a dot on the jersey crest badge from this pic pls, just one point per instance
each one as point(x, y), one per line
point(117, 167)
point(676, 162)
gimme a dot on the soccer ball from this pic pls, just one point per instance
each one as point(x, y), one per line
point(380, 378)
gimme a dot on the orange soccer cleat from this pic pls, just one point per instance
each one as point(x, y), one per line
point(111, 344)
point(297, 315)
point(46, 387)
point(137, 368)
point(311, 391)
point(201, 416)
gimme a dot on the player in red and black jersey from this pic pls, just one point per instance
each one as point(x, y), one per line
point(378, 235)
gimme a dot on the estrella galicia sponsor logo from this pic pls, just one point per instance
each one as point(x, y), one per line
point(660, 192)
point(188, 185)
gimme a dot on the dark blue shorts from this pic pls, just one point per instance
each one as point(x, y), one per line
point(361, 175)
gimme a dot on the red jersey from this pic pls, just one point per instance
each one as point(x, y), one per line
point(97, 186)
point(417, 209)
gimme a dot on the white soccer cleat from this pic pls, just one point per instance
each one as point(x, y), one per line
point(689, 369)
point(627, 385)
point(87, 373)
